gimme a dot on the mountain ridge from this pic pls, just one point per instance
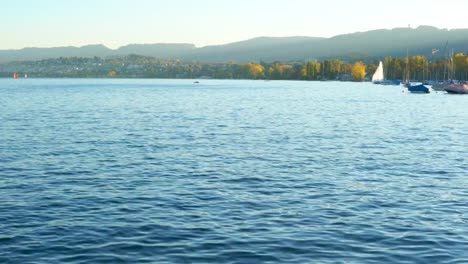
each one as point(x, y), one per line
point(373, 43)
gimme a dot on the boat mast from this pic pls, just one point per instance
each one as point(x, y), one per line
point(452, 65)
point(407, 77)
point(445, 61)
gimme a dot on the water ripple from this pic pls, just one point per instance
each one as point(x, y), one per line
point(152, 171)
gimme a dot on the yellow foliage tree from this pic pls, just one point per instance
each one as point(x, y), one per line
point(276, 71)
point(461, 66)
point(253, 70)
point(304, 73)
point(359, 71)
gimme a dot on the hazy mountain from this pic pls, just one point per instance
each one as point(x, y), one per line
point(375, 43)
point(161, 50)
point(262, 48)
point(154, 50)
point(45, 53)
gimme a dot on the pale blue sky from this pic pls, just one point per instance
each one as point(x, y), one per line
point(114, 23)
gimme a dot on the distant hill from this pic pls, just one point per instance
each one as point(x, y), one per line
point(154, 50)
point(45, 53)
point(254, 50)
point(161, 50)
point(375, 44)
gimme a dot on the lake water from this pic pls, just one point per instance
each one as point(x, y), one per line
point(168, 171)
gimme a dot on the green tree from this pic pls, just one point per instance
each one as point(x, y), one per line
point(312, 70)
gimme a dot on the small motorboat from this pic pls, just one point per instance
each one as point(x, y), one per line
point(419, 88)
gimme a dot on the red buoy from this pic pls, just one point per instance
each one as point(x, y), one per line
point(15, 75)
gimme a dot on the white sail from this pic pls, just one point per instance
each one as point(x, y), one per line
point(378, 75)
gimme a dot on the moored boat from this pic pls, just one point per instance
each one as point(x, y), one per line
point(457, 88)
point(378, 76)
point(420, 88)
point(391, 82)
point(440, 86)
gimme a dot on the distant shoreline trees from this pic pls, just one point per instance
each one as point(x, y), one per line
point(135, 66)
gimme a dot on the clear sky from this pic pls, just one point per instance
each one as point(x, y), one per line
point(114, 23)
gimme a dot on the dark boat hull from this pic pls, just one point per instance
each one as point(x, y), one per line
point(419, 89)
point(457, 89)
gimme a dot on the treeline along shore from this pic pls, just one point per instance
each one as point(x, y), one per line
point(136, 66)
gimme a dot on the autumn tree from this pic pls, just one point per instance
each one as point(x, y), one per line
point(253, 71)
point(358, 71)
point(276, 71)
point(335, 68)
point(460, 62)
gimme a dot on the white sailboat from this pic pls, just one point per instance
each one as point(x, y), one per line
point(378, 76)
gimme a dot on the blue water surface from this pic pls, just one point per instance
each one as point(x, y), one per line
point(169, 171)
